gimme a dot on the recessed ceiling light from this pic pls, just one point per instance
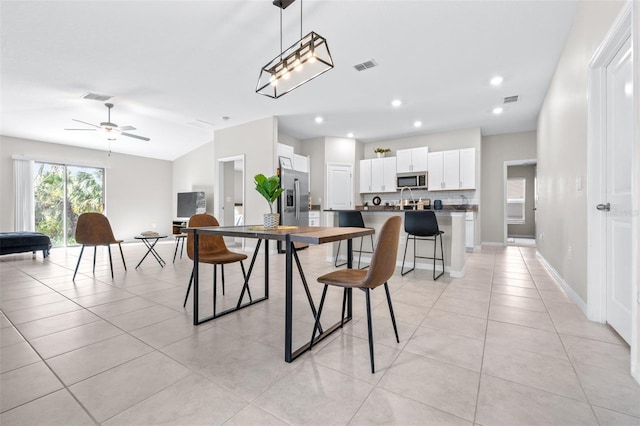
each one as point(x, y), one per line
point(497, 110)
point(350, 134)
point(319, 119)
point(496, 81)
point(396, 103)
point(417, 124)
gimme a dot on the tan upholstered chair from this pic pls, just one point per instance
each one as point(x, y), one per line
point(93, 229)
point(213, 250)
point(383, 265)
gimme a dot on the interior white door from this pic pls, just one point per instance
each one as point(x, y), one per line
point(339, 186)
point(617, 206)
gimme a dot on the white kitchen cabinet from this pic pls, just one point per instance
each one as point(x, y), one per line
point(314, 218)
point(436, 175)
point(470, 230)
point(451, 169)
point(365, 176)
point(300, 163)
point(412, 160)
point(468, 168)
point(284, 151)
point(378, 175)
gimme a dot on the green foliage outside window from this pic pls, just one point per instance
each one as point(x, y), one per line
point(84, 194)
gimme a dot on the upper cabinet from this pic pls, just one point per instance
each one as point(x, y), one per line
point(412, 160)
point(468, 168)
point(285, 151)
point(378, 175)
point(453, 169)
point(300, 163)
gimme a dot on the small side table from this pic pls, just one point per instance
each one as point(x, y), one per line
point(150, 242)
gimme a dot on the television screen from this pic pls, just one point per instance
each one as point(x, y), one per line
point(190, 203)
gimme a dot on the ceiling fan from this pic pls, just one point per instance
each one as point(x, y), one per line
point(110, 129)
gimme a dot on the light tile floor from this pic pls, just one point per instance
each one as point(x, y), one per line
point(502, 346)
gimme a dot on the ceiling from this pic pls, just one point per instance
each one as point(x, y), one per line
point(171, 63)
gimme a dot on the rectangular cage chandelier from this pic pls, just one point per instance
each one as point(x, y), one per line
point(305, 60)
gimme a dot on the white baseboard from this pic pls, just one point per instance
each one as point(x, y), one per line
point(565, 285)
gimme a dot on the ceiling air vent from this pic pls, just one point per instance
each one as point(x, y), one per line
point(510, 99)
point(366, 65)
point(96, 97)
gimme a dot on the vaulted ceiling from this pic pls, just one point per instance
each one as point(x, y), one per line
point(176, 69)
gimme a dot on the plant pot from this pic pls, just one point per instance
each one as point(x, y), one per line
point(271, 220)
point(380, 154)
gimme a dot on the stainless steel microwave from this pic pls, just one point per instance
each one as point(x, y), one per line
point(412, 180)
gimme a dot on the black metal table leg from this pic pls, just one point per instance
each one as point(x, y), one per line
point(288, 311)
point(196, 276)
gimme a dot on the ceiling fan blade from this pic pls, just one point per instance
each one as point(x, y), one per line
point(84, 122)
point(126, 128)
point(90, 130)
point(136, 136)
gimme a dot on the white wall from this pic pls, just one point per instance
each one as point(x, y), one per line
point(195, 171)
point(138, 191)
point(635, 352)
point(562, 148)
point(495, 151)
point(257, 141)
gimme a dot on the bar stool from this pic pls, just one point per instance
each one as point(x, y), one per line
point(179, 239)
point(422, 225)
point(352, 219)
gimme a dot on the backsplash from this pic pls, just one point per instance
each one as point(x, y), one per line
point(447, 197)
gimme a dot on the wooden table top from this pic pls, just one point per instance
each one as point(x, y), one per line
point(303, 234)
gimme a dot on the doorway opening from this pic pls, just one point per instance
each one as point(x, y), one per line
point(520, 201)
point(231, 201)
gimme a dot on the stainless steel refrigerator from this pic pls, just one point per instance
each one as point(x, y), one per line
point(293, 204)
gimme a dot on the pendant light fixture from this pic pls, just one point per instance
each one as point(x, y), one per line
point(302, 62)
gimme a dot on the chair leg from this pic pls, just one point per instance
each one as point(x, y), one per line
point(78, 264)
point(317, 323)
point(181, 247)
point(393, 317)
point(95, 249)
point(344, 306)
point(122, 255)
point(406, 245)
point(110, 260)
point(434, 256)
point(176, 250)
point(186, 296)
point(367, 293)
point(338, 254)
point(215, 287)
point(222, 268)
point(360, 252)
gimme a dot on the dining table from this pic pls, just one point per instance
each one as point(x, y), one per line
point(289, 235)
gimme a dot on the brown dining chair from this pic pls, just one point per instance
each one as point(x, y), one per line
point(213, 250)
point(382, 267)
point(93, 229)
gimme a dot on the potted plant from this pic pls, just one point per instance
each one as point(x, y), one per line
point(381, 151)
point(269, 188)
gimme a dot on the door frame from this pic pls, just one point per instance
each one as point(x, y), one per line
point(619, 32)
point(221, 196)
point(505, 173)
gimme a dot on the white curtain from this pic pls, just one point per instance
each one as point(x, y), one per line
point(23, 179)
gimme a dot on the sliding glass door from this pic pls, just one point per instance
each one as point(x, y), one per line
point(61, 194)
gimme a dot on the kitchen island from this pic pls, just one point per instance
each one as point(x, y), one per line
point(451, 220)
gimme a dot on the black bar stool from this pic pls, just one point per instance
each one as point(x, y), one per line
point(352, 219)
point(422, 225)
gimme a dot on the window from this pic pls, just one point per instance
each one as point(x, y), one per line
point(61, 194)
point(515, 200)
